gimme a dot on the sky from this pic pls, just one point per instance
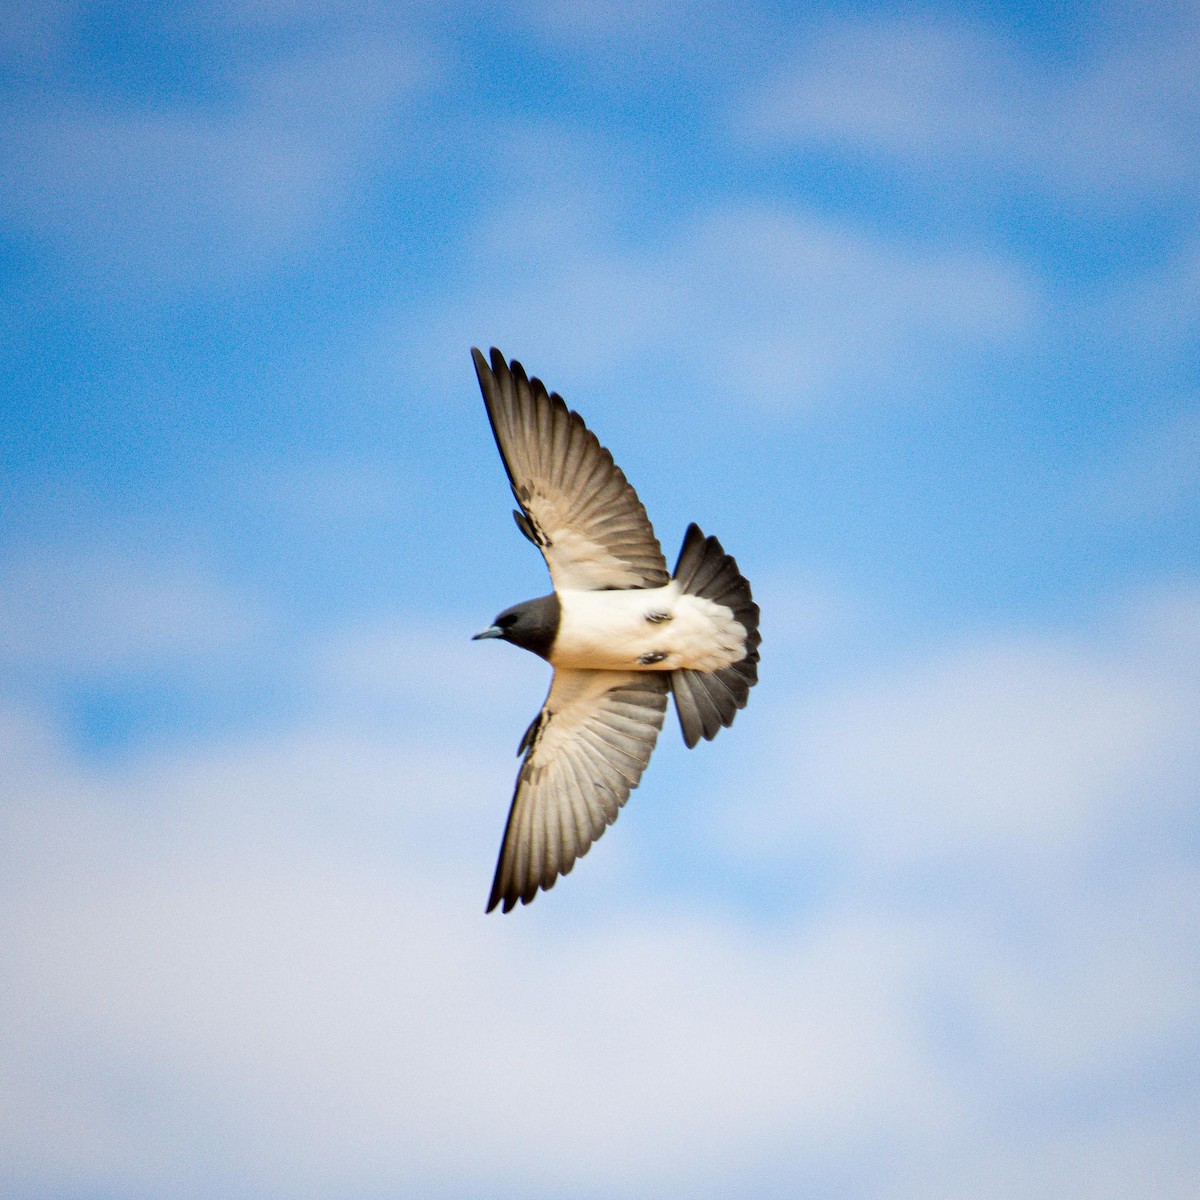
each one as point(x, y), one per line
point(900, 301)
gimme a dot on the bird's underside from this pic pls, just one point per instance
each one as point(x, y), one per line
point(619, 631)
point(646, 629)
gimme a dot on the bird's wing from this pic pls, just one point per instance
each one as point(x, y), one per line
point(584, 753)
point(577, 506)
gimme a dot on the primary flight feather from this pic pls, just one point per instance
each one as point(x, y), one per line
point(619, 631)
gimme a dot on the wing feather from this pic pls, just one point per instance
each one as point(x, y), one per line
point(585, 517)
point(587, 753)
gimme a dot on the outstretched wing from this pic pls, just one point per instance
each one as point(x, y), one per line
point(577, 506)
point(584, 754)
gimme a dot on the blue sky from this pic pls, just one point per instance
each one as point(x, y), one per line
point(902, 302)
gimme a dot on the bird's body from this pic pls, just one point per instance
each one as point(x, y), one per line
point(619, 631)
point(645, 629)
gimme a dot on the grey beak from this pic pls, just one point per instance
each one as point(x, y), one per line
point(490, 631)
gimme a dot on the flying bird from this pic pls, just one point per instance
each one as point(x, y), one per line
point(619, 631)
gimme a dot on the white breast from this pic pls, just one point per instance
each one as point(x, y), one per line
point(613, 631)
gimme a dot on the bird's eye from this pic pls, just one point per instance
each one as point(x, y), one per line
point(507, 621)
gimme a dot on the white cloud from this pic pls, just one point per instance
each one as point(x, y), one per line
point(1116, 126)
point(901, 89)
point(1018, 746)
point(202, 194)
point(1158, 1158)
point(331, 492)
point(761, 304)
point(267, 987)
point(105, 611)
point(264, 965)
point(795, 308)
point(384, 661)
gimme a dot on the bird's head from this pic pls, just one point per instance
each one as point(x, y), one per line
point(532, 624)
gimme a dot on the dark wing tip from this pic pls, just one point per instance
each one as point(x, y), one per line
point(498, 370)
point(504, 897)
point(501, 366)
point(508, 898)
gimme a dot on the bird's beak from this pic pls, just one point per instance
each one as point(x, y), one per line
point(490, 631)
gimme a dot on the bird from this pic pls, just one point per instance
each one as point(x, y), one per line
point(620, 632)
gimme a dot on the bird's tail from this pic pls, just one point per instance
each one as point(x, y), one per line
point(708, 700)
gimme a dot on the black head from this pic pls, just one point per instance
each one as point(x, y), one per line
point(532, 624)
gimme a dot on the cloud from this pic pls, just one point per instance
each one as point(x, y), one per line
point(422, 672)
point(253, 960)
point(764, 304)
point(273, 992)
point(1157, 1158)
point(203, 194)
point(262, 965)
point(323, 493)
point(1021, 746)
point(1115, 127)
point(83, 613)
